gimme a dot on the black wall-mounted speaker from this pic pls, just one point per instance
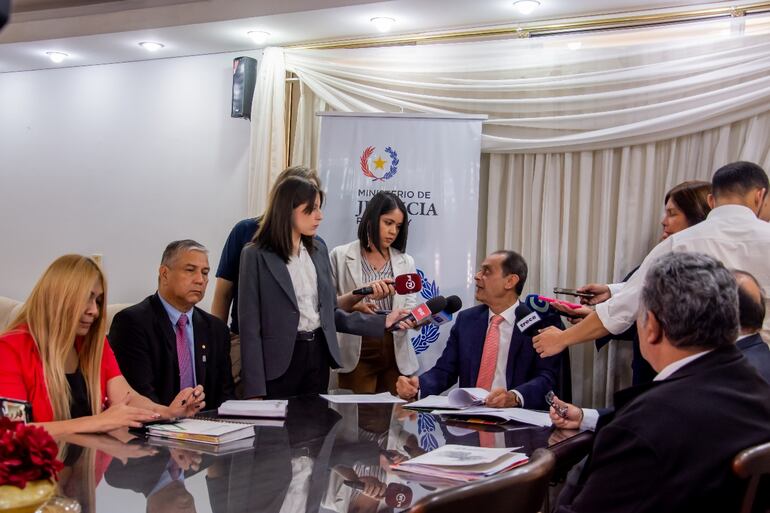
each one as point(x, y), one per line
point(5, 11)
point(244, 80)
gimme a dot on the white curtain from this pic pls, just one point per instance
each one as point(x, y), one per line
point(585, 134)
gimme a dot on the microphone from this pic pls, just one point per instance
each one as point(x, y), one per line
point(541, 304)
point(404, 284)
point(397, 495)
point(529, 322)
point(453, 304)
point(432, 306)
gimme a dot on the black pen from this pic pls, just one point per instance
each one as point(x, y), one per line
point(184, 401)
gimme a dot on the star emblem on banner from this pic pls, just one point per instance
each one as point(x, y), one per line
point(379, 164)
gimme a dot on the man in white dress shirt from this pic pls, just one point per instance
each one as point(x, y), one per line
point(736, 232)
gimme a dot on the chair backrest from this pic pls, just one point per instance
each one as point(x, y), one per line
point(523, 489)
point(754, 464)
point(569, 452)
point(8, 310)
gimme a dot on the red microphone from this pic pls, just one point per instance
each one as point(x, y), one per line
point(404, 284)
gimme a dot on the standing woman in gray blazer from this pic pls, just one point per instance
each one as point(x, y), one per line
point(287, 307)
point(373, 364)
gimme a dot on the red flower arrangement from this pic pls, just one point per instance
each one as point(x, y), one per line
point(27, 453)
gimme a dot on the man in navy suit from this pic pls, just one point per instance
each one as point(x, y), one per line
point(751, 309)
point(485, 347)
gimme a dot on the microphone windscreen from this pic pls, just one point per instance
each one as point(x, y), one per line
point(535, 303)
point(527, 321)
point(408, 283)
point(398, 495)
point(453, 304)
point(436, 304)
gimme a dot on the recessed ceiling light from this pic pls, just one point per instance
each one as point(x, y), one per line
point(151, 46)
point(258, 36)
point(57, 57)
point(574, 45)
point(526, 6)
point(383, 23)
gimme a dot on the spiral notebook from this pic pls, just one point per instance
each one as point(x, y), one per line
point(207, 431)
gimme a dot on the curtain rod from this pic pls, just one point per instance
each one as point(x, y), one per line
point(534, 30)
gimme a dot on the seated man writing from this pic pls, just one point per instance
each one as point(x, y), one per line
point(486, 348)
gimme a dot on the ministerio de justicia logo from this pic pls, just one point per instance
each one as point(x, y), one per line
point(377, 171)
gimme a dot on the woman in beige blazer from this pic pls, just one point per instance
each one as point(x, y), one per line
point(372, 365)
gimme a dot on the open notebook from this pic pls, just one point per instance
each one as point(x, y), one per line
point(203, 431)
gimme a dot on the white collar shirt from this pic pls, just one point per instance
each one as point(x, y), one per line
point(305, 282)
point(731, 233)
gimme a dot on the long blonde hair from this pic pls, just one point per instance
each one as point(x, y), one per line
point(52, 312)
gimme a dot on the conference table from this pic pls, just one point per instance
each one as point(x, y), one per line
point(322, 458)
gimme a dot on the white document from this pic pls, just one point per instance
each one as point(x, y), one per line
point(460, 455)
point(532, 417)
point(270, 409)
point(458, 399)
point(383, 398)
point(463, 463)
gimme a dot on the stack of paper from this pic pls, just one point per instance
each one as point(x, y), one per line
point(499, 415)
point(203, 431)
point(462, 463)
point(458, 399)
point(268, 409)
point(382, 398)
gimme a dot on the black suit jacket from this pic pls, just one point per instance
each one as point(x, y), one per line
point(144, 343)
point(757, 353)
point(670, 444)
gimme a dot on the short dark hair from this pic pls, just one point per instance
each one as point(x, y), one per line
point(694, 298)
point(513, 263)
point(751, 313)
point(738, 178)
point(178, 246)
point(691, 198)
point(369, 227)
point(275, 228)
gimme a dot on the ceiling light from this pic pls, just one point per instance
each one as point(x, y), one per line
point(382, 23)
point(526, 6)
point(258, 36)
point(57, 57)
point(574, 45)
point(151, 46)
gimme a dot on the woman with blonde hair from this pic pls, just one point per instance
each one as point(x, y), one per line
point(55, 356)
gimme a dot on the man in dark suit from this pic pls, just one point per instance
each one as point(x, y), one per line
point(487, 349)
point(751, 308)
point(669, 444)
point(165, 343)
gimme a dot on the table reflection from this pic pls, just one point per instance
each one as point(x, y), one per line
point(324, 458)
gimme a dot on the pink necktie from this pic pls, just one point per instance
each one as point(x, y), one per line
point(183, 354)
point(489, 355)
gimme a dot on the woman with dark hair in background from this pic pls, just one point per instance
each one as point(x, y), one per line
point(287, 306)
point(686, 205)
point(373, 364)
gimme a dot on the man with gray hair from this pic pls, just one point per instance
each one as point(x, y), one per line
point(165, 343)
point(669, 444)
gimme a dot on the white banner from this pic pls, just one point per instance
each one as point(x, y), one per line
point(432, 164)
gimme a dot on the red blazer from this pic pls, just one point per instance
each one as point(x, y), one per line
point(21, 372)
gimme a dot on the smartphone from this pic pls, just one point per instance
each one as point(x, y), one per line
point(571, 292)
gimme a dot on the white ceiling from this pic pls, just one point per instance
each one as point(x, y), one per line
point(99, 32)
